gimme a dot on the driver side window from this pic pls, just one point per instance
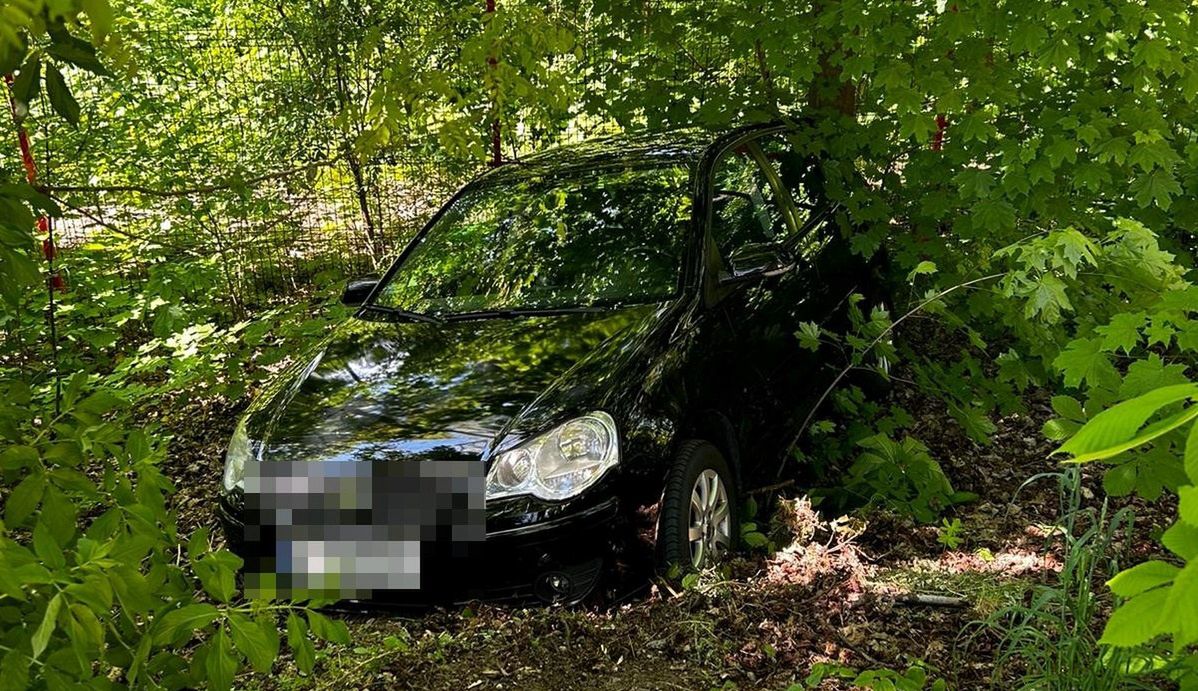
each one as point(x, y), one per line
point(745, 212)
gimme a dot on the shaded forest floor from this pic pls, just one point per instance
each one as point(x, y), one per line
point(851, 593)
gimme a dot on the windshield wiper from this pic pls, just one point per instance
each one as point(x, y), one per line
point(406, 314)
point(523, 312)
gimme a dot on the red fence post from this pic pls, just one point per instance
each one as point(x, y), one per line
point(54, 281)
point(492, 64)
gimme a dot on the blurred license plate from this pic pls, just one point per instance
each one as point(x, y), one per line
point(347, 530)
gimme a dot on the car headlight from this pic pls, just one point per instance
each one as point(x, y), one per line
point(560, 463)
point(239, 453)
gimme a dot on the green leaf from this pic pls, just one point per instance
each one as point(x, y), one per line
point(1069, 408)
point(189, 618)
point(41, 637)
point(924, 268)
point(1120, 480)
point(1136, 621)
point(1115, 430)
point(993, 215)
point(100, 15)
point(1083, 360)
point(1059, 429)
point(1159, 186)
point(301, 648)
point(1151, 373)
point(132, 589)
point(14, 671)
point(1141, 577)
point(27, 84)
point(1191, 454)
point(253, 642)
point(46, 547)
point(60, 96)
point(217, 572)
point(1181, 609)
point(809, 333)
point(1182, 539)
point(1187, 506)
point(328, 629)
point(18, 456)
point(24, 499)
point(78, 52)
point(220, 663)
point(1123, 332)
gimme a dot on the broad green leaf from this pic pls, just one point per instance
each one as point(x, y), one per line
point(1136, 621)
point(41, 637)
point(924, 268)
point(1181, 609)
point(1151, 373)
point(188, 618)
point(100, 16)
point(994, 215)
point(1123, 333)
point(217, 572)
point(60, 96)
point(27, 84)
point(1159, 187)
point(1182, 539)
point(1084, 361)
point(809, 335)
point(333, 631)
point(253, 642)
point(46, 547)
point(132, 589)
point(14, 671)
point(18, 456)
point(1069, 408)
point(1187, 505)
point(1120, 480)
point(1115, 430)
point(301, 648)
point(24, 499)
point(1141, 577)
point(220, 664)
point(1191, 454)
point(76, 51)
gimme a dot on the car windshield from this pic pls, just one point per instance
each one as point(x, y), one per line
point(552, 241)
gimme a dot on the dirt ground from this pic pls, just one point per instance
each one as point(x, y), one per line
point(852, 592)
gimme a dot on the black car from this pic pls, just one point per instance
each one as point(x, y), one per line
point(582, 360)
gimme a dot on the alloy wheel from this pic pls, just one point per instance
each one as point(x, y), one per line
point(710, 531)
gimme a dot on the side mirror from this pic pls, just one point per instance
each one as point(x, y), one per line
point(357, 290)
point(756, 260)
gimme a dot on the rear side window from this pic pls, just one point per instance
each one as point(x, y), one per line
point(800, 175)
point(745, 209)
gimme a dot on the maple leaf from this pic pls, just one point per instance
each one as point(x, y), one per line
point(1083, 361)
point(1159, 186)
point(1150, 373)
point(1123, 332)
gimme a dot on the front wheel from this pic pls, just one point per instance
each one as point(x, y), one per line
point(698, 525)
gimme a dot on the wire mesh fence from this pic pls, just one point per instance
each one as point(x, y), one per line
point(231, 141)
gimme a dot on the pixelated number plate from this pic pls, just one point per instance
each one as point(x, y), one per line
point(349, 530)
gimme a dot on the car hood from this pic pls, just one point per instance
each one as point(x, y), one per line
point(411, 390)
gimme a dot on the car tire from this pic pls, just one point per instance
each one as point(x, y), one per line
point(676, 548)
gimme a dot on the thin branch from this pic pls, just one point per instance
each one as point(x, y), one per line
point(849, 367)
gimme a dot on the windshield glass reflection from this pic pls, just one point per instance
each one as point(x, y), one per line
point(550, 242)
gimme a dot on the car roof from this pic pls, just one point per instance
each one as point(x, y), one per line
point(679, 146)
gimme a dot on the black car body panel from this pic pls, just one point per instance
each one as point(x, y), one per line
point(718, 360)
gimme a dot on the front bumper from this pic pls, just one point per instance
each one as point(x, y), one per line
point(551, 553)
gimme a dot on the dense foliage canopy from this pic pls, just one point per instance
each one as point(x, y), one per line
point(1030, 168)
